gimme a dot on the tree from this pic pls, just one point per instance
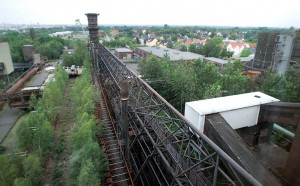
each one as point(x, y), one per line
point(174, 38)
point(22, 182)
point(192, 48)
point(52, 49)
point(90, 151)
point(183, 47)
point(213, 48)
point(245, 53)
point(33, 101)
point(88, 175)
point(32, 34)
point(213, 91)
point(137, 40)
point(33, 169)
point(232, 81)
point(292, 87)
point(170, 45)
point(8, 171)
point(68, 60)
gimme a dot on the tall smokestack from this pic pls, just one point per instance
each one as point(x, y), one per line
point(93, 27)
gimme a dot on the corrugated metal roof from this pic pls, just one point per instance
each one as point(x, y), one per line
point(227, 103)
point(123, 50)
point(216, 60)
point(175, 55)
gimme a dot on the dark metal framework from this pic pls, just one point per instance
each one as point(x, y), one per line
point(164, 148)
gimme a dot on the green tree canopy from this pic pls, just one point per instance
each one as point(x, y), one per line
point(245, 53)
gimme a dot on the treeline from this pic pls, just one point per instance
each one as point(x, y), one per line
point(35, 137)
point(88, 162)
point(121, 41)
point(50, 47)
point(79, 55)
point(180, 82)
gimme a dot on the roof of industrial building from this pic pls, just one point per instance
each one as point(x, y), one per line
point(174, 55)
point(123, 50)
point(221, 104)
point(216, 60)
point(247, 59)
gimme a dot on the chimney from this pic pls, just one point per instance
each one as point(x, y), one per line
point(93, 27)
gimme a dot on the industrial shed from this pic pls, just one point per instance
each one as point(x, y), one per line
point(124, 53)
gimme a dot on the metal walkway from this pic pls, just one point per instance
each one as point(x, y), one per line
point(118, 170)
point(164, 147)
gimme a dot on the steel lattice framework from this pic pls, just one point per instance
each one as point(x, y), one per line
point(164, 147)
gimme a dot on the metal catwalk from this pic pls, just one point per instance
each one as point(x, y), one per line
point(164, 148)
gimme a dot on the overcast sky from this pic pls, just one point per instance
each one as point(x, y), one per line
point(269, 13)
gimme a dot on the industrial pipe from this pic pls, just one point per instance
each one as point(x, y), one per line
point(22, 81)
point(282, 130)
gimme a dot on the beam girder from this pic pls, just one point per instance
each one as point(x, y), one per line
point(162, 140)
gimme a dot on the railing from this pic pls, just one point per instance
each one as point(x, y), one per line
point(165, 148)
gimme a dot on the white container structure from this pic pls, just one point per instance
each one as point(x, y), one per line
point(238, 110)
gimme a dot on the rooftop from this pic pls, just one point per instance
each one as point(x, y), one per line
point(174, 55)
point(221, 104)
point(246, 59)
point(216, 60)
point(123, 50)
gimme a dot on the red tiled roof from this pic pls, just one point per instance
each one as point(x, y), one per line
point(196, 40)
point(234, 45)
point(180, 40)
point(188, 42)
point(114, 32)
point(252, 45)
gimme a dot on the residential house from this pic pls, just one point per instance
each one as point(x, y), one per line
point(114, 32)
point(236, 48)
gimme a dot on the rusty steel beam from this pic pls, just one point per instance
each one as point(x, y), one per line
point(164, 148)
point(280, 112)
point(292, 167)
point(286, 113)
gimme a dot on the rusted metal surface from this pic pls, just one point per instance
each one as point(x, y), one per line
point(292, 168)
point(281, 112)
point(119, 172)
point(229, 140)
point(22, 81)
point(165, 149)
point(287, 113)
point(93, 27)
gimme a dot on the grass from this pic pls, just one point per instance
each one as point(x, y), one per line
point(11, 139)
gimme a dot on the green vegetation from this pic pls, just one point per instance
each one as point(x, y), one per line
point(78, 57)
point(286, 88)
point(87, 157)
point(50, 47)
point(122, 41)
point(35, 138)
point(8, 171)
point(182, 82)
point(245, 53)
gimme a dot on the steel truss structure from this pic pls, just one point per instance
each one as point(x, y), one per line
point(164, 148)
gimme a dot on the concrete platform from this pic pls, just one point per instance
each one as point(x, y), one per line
point(38, 79)
point(8, 118)
point(273, 156)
